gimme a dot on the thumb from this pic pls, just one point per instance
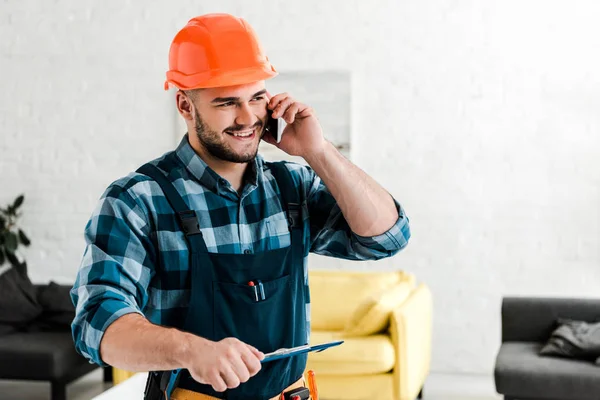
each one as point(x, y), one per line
point(259, 354)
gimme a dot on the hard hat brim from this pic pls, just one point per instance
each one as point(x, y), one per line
point(213, 79)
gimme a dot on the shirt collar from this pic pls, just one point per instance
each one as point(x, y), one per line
point(198, 168)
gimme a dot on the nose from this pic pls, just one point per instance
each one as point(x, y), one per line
point(245, 116)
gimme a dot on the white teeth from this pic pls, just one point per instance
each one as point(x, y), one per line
point(242, 134)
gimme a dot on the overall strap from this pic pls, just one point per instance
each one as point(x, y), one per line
point(188, 221)
point(160, 384)
point(291, 199)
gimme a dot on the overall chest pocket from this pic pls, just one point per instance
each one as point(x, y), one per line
point(266, 324)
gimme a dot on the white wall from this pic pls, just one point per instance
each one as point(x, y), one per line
point(480, 117)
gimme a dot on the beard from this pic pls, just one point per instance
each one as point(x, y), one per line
point(216, 146)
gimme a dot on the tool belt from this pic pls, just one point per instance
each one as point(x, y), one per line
point(296, 387)
point(156, 389)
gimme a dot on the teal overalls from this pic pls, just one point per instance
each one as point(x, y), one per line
point(269, 315)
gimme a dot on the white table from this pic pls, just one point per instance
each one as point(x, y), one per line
point(131, 389)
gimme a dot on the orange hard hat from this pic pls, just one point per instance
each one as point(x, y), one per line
point(216, 50)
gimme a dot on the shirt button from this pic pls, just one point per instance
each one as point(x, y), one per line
point(247, 251)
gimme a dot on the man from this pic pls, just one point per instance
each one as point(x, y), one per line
point(197, 261)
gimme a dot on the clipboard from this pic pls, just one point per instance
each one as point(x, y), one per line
point(294, 351)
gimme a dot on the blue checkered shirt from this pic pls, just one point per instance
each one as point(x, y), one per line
point(130, 266)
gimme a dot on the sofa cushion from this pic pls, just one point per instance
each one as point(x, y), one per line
point(335, 295)
point(521, 371)
point(39, 355)
point(574, 339)
point(18, 302)
point(56, 298)
point(373, 354)
point(58, 310)
point(356, 387)
point(373, 314)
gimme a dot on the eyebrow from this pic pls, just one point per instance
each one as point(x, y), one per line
point(235, 99)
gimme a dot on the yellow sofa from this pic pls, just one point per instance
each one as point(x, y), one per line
point(385, 320)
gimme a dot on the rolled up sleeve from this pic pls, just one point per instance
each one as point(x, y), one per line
point(390, 242)
point(115, 270)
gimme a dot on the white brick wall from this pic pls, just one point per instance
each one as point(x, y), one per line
point(480, 117)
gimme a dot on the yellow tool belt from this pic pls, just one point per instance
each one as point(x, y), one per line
point(184, 394)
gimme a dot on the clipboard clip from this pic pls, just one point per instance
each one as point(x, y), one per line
point(285, 351)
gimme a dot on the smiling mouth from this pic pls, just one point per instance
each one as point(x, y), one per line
point(249, 134)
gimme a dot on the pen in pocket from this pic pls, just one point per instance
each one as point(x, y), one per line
point(253, 286)
point(262, 290)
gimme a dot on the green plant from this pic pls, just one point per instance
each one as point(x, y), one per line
point(10, 235)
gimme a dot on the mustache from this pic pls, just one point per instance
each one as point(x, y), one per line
point(239, 128)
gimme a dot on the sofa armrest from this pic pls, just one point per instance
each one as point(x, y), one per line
point(532, 319)
point(410, 328)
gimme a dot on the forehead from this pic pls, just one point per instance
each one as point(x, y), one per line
point(241, 91)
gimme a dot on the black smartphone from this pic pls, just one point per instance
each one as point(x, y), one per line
point(273, 127)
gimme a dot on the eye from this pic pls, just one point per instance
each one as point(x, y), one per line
point(258, 98)
point(229, 103)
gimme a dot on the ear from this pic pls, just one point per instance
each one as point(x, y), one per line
point(184, 105)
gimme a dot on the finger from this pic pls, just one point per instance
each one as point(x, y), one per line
point(230, 377)
point(276, 99)
point(240, 368)
point(217, 383)
point(304, 111)
point(290, 114)
point(252, 361)
point(282, 107)
point(198, 378)
point(259, 354)
point(269, 95)
point(237, 362)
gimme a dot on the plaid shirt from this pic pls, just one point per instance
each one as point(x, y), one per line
point(137, 260)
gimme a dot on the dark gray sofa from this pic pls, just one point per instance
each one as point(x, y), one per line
point(521, 373)
point(41, 349)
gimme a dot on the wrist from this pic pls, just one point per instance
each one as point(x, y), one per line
point(184, 343)
point(316, 157)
